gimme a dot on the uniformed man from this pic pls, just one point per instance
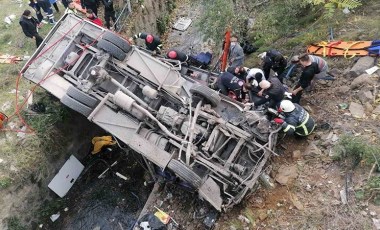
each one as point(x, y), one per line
point(152, 43)
point(297, 120)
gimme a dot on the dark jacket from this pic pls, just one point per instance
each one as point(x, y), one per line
point(298, 121)
point(29, 26)
point(108, 6)
point(88, 3)
point(276, 91)
point(308, 75)
point(181, 56)
point(275, 61)
point(228, 82)
point(155, 45)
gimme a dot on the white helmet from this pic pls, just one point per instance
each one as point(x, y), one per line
point(264, 84)
point(287, 106)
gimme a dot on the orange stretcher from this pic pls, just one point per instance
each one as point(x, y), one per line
point(348, 49)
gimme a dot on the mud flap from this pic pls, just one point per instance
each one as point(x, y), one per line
point(210, 191)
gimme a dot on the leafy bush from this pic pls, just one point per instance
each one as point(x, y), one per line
point(331, 5)
point(356, 150)
point(162, 23)
point(218, 16)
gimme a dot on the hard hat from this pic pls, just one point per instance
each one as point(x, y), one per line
point(172, 54)
point(264, 84)
point(287, 106)
point(149, 38)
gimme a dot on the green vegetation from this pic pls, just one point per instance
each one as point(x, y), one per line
point(51, 207)
point(14, 223)
point(5, 182)
point(218, 16)
point(162, 23)
point(356, 150)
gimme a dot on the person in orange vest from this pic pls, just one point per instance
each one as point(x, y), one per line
point(93, 18)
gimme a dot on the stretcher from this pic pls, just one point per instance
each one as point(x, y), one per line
point(347, 49)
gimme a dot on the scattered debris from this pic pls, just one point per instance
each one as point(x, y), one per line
point(182, 24)
point(9, 19)
point(343, 196)
point(9, 59)
point(244, 219)
point(376, 223)
point(266, 180)
point(22, 134)
point(54, 217)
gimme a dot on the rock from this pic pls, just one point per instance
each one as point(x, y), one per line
point(342, 89)
point(13, 168)
point(368, 107)
point(296, 202)
point(262, 214)
point(250, 23)
point(361, 66)
point(376, 223)
point(377, 110)
point(365, 96)
point(335, 72)
point(1, 160)
point(312, 149)
point(296, 154)
point(372, 213)
point(286, 174)
point(363, 213)
point(364, 79)
point(233, 227)
point(356, 110)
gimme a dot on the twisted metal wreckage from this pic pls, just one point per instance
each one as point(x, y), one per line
point(175, 122)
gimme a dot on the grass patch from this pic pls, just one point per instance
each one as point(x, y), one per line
point(354, 150)
point(51, 207)
point(14, 223)
point(5, 182)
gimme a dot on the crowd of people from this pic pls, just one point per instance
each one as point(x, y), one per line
point(31, 24)
point(263, 86)
point(258, 86)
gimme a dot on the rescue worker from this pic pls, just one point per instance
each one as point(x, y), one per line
point(93, 18)
point(238, 71)
point(272, 91)
point(322, 66)
point(37, 9)
point(29, 26)
point(177, 55)
point(236, 53)
point(90, 4)
point(109, 13)
point(308, 73)
point(297, 120)
point(71, 9)
point(231, 86)
point(152, 43)
point(274, 60)
point(255, 74)
point(46, 7)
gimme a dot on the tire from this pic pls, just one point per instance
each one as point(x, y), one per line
point(117, 41)
point(185, 173)
point(112, 49)
point(211, 96)
point(76, 105)
point(81, 97)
